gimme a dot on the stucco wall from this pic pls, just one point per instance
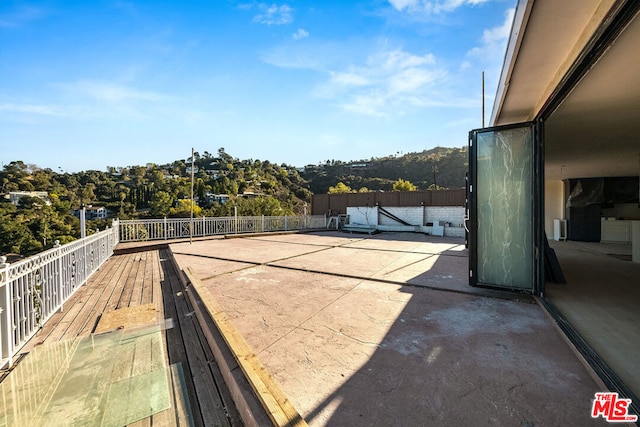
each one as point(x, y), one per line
point(417, 216)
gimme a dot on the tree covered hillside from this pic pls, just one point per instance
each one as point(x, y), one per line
point(436, 168)
point(252, 187)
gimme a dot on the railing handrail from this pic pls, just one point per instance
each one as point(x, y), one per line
point(178, 228)
point(35, 288)
point(32, 290)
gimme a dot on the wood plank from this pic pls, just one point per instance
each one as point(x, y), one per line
point(136, 289)
point(175, 346)
point(210, 402)
point(218, 377)
point(95, 308)
point(150, 278)
point(127, 291)
point(94, 286)
point(119, 285)
point(149, 356)
point(181, 409)
point(128, 317)
point(63, 323)
point(178, 413)
point(277, 405)
point(157, 280)
point(122, 364)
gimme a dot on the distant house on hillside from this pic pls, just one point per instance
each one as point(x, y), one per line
point(213, 172)
point(251, 194)
point(15, 196)
point(219, 198)
point(92, 212)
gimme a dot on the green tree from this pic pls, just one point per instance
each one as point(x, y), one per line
point(402, 185)
point(161, 204)
point(257, 206)
point(183, 209)
point(340, 187)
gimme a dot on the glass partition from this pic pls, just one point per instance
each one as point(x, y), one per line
point(503, 208)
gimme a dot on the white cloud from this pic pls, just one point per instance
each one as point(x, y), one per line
point(494, 39)
point(318, 56)
point(368, 104)
point(500, 33)
point(403, 4)
point(52, 110)
point(274, 14)
point(91, 99)
point(47, 110)
point(397, 59)
point(410, 80)
point(300, 34)
point(348, 79)
point(111, 92)
point(387, 83)
point(431, 6)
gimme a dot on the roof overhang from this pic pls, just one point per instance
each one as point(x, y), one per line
point(592, 124)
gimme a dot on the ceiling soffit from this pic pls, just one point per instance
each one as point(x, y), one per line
point(552, 37)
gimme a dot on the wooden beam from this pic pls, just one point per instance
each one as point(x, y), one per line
point(277, 405)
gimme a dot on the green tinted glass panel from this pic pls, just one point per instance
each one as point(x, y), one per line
point(110, 379)
point(504, 208)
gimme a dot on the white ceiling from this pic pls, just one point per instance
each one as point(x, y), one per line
point(596, 130)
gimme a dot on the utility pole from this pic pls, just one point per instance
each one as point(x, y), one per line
point(191, 214)
point(483, 99)
point(434, 169)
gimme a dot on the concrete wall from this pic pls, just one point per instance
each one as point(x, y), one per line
point(363, 215)
point(417, 216)
point(553, 205)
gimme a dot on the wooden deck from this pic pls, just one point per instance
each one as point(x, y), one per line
point(142, 278)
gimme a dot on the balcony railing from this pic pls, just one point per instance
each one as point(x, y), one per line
point(33, 289)
point(180, 228)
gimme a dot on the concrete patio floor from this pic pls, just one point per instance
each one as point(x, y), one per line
point(356, 332)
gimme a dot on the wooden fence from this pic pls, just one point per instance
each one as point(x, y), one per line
point(322, 204)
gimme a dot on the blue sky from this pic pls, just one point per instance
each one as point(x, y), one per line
point(90, 84)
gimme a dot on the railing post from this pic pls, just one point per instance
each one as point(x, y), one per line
point(164, 229)
point(60, 289)
point(204, 226)
point(84, 251)
point(83, 224)
point(235, 215)
point(6, 324)
point(115, 226)
point(285, 223)
point(262, 227)
point(304, 213)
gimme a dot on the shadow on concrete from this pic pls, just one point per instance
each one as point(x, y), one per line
point(455, 358)
point(398, 339)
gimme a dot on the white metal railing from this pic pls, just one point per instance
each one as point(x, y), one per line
point(179, 228)
point(33, 289)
